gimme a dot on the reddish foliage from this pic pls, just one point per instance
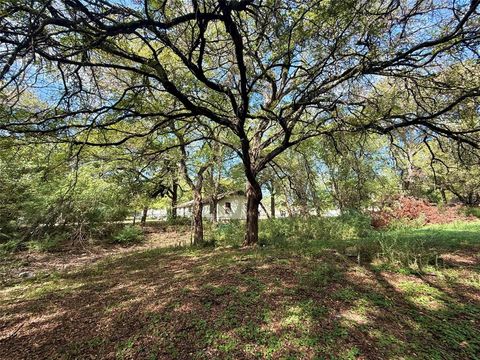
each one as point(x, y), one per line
point(410, 208)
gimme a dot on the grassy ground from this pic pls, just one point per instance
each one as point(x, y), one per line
point(304, 301)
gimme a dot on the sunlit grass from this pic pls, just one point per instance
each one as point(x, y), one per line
point(269, 302)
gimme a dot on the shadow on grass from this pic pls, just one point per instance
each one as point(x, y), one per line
point(240, 304)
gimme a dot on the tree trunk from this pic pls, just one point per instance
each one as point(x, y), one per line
point(213, 209)
point(196, 188)
point(337, 196)
point(174, 199)
point(144, 216)
point(254, 196)
point(197, 217)
point(444, 196)
point(272, 202)
point(264, 210)
point(198, 208)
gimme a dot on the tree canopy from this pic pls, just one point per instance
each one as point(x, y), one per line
point(264, 75)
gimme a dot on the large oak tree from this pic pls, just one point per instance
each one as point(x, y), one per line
point(270, 73)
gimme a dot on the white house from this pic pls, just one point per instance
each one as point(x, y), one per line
point(157, 213)
point(230, 206)
point(233, 206)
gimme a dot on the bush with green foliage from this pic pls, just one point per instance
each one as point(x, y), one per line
point(341, 231)
point(473, 211)
point(128, 235)
point(229, 233)
point(42, 194)
point(405, 223)
point(11, 246)
point(49, 243)
point(179, 220)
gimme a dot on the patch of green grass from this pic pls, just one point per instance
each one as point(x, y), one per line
point(388, 342)
point(49, 243)
point(231, 316)
point(251, 332)
point(423, 294)
point(43, 285)
point(124, 347)
point(76, 349)
point(350, 354)
point(123, 302)
point(332, 335)
point(255, 289)
point(278, 301)
point(11, 246)
point(413, 249)
point(316, 311)
point(346, 294)
point(378, 299)
point(225, 343)
point(320, 276)
point(441, 237)
point(295, 317)
point(449, 335)
point(473, 211)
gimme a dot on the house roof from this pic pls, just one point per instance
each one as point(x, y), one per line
point(185, 204)
point(188, 204)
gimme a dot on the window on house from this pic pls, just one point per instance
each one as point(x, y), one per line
point(228, 208)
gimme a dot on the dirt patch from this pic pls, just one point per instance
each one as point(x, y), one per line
point(69, 257)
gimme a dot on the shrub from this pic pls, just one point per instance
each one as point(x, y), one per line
point(343, 230)
point(472, 211)
point(48, 243)
point(409, 211)
point(179, 220)
point(339, 232)
point(128, 235)
point(403, 248)
point(406, 223)
point(11, 246)
point(228, 234)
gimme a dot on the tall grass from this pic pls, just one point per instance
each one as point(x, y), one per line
point(409, 245)
point(473, 211)
point(344, 230)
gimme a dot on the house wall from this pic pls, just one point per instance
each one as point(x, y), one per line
point(184, 212)
point(206, 211)
point(238, 206)
point(187, 211)
point(157, 213)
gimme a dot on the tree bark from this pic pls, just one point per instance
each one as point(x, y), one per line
point(264, 210)
point(144, 216)
point(213, 209)
point(444, 196)
point(196, 187)
point(197, 215)
point(254, 196)
point(174, 199)
point(272, 203)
